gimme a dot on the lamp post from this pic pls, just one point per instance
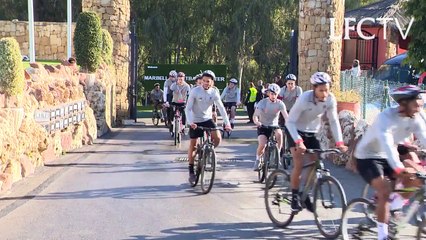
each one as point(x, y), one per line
point(69, 29)
point(31, 31)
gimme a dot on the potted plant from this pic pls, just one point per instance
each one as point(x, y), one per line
point(348, 100)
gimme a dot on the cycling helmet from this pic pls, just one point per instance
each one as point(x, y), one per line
point(233, 80)
point(291, 77)
point(181, 74)
point(173, 73)
point(156, 84)
point(273, 87)
point(319, 78)
point(209, 73)
point(198, 76)
point(408, 92)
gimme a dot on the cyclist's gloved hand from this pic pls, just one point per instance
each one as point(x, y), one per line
point(193, 125)
point(300, 146)
point(342, 148)
point(228, 127)
point(258, 124)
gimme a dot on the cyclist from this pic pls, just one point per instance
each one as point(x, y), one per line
point(200, 102)
point(168, 96)
point(231, 98)
point(180, 90)
point(376, 153)
point(266, 114)
point(304, 121)
point(157, 97)
point(198, 80)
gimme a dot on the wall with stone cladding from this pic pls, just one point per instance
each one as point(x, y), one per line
point(115, 17)
point(50, 37)
point(24, 143)
point(316, 51)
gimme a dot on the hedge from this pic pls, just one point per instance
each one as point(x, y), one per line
point(12, 80)
point(107, 46)
point(88, 41)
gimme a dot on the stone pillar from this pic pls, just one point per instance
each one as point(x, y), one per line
point(391, 44)
point(115, 17)
point(317, 51)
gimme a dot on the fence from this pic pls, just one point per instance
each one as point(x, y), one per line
point(374, 93)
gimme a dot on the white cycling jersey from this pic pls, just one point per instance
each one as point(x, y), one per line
point(269, 112)
point(200, 102)
point(388, 130)
point(306, 114)
point(231, 95)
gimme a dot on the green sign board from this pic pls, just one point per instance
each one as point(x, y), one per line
point(158, 73)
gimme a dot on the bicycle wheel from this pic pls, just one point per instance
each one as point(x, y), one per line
point(421, 231)
point(273, 164)
point(176, 131)
point(329, 204)
point(278, 198)
point(263, 166)
point(197, 166)
point(155, 119)
point(359, 220)
point(208, 170)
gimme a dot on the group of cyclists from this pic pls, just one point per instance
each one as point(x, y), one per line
point(382, 153)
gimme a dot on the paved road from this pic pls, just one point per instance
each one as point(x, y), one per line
point(132, 185)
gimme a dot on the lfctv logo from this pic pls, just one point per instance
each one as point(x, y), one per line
point(358, 27)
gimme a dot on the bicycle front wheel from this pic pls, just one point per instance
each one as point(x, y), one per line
point(273, 164)
point(359, 220)
point(329, 204)
point(278, 198)
point(176, 131)
point(208, 170)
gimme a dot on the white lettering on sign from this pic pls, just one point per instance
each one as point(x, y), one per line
point(153, 67)
point(42, 116)
point(358, 28)
point(155, 78)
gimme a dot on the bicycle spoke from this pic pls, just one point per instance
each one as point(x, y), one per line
point(359, 221)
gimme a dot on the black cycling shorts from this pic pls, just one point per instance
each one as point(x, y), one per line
point(309, 139)
point(264, 131)
point(196, 133)
point(372, 168)
point(403, 150)
point(229, 104)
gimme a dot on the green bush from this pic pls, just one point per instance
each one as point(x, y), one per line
point(88, 41)
point(12, 79)
point(107, 45)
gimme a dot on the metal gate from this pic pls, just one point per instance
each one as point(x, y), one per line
point(366, 50)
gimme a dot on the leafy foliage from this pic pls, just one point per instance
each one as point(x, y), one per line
point(44, 10)
point(231, 32)
point(88, 41)
point(107, 46)
point(417, 47)
point(11, 70)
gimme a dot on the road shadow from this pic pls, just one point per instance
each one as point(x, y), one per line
point(243, 230)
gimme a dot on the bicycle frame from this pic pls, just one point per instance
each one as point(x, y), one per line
point(317, 171)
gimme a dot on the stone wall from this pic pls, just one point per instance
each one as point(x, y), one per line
point(316, 51)
point(24, 143)
point(50, 37)
point(115, 17)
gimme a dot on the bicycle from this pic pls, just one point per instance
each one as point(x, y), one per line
point(205, 161)
point(270, 159)
point(228, 133)
point(156, 115)
point(327, 193)
point(285, 153)
point(359, 219)
point(178, 127)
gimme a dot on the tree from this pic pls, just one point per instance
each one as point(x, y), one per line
point(12, 79)
point(417, 47)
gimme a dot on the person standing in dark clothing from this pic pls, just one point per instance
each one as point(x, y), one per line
point(250, 101)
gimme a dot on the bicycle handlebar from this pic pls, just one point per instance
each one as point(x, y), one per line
point(331, 150)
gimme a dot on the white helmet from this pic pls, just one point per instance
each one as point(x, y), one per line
point(274, 88)
point(320, 78)
point(209, 73)
point(173, 73)
point(233, 80)
point(408, 92)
